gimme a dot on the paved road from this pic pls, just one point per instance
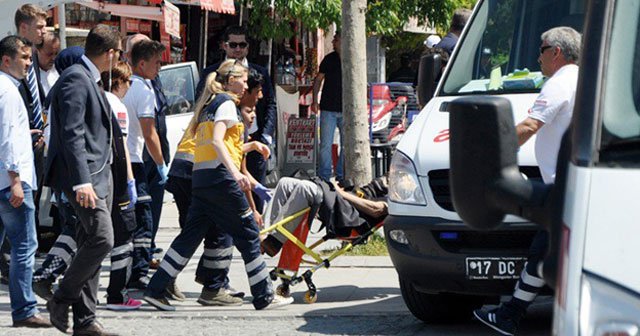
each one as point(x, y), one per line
point(357, 296)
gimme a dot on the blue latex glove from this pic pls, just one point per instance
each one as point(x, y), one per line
point(133, 193)
point(164, 173)
point(267, 139)
point(263, 192)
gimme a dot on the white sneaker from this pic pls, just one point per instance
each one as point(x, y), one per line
point(279, 301)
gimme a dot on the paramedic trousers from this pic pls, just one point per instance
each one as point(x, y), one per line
point(224, 208)
point(64, 248)
point(180, 188)
point(124, 224)
point(142, 253)
point(156, 191)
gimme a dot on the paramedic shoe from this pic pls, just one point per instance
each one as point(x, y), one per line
point(279, 301)
point(161, 303)
point(271, 246)
point(154, 264)
point(43, 289)
point(174, 293)
point(131, 304)
point(494, 319)
point(217, 297)
point(233, 292)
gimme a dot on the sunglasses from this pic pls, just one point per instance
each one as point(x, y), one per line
point(234, 45)
point(542, 49)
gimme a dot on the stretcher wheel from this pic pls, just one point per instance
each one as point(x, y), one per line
point(310, 297)
point(283, 290)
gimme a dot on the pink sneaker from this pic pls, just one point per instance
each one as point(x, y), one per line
point(131, 304)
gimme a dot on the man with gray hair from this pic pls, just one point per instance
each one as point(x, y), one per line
point(549, 118)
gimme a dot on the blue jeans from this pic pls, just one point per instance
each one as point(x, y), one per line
point(20, 227)
point(328, 122)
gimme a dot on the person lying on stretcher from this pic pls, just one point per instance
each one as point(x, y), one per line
point(340, 211)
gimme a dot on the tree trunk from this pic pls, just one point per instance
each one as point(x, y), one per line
point(357, 156)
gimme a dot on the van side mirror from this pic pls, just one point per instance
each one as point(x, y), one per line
point(486, 183)
point(428, 73)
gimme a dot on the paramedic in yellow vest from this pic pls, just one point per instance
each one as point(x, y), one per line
point(218, 187)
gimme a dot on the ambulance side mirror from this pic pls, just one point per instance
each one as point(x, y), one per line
point(486, 183)
point(428, 72)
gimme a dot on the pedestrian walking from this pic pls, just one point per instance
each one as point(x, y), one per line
point(213, 267)
point(236, 46)
point(17, 180)
point(329, 106)
point(218, 200)
point(117, 82)
point(149, 151)
point(79, 163)
point(64, 248)
point(30, 21)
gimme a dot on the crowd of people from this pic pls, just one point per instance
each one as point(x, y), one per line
point(89, 123)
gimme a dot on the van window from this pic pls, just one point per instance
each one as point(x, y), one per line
point(504, 36)
point(620, 134)
point(178, 86)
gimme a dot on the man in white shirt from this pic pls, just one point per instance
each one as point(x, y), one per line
point(47, 52)
point(549, 118)
point(17, 180)
point(149, 152)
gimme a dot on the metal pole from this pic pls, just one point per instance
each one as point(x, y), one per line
point(273, 14)
point(241, 15)
point(62, 25)
point(205, 36)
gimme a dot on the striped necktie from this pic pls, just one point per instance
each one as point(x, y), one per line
point(35, 98)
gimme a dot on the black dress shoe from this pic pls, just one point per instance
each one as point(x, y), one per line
point(93, 329)
point(59, 315)
point(43, 289)
point(35, 321)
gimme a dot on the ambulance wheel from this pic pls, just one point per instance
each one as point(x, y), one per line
point(310, 297)
point(283, 290)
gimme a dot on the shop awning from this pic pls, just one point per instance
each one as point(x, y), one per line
point(131, 11)
point(219, 6)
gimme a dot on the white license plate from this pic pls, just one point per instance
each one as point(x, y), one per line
point(494, 268)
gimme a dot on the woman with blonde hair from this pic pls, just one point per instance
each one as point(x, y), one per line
point(218, 199)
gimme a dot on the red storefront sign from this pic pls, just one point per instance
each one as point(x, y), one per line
point(145, 27)
point(132, 25)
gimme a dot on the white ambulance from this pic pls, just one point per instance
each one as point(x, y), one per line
point(592, 210)
point(447, 269)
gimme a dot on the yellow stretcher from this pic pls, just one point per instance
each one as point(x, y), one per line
point(295, 248)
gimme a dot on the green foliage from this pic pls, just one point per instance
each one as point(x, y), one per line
point(375, 246)
point(384, 17)
point(312, 13)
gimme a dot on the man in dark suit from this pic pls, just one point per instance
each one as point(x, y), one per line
point(30, 21)
point(79, 164)
point(236, 46)
point(458, 21)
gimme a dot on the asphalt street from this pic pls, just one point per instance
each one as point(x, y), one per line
point(356, 296)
